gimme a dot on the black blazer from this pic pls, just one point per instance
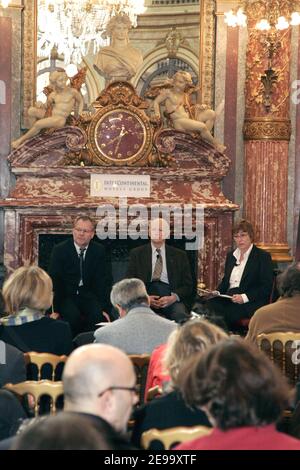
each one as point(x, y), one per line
point(178, 268)
point(14, 369)
point(257, 278)
point(165, 412)
point(44, 335)
point(65, 273)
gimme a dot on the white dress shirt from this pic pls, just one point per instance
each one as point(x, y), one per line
point(237, 272)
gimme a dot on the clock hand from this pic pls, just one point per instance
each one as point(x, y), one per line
point(118, 137)
point(119, 141)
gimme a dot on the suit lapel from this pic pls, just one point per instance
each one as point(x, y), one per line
point(170, 264)
point(148, 262)
point(249, 265)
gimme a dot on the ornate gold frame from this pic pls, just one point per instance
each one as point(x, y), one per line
point(207, 50)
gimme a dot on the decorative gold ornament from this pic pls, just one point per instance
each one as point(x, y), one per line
point(267, 129)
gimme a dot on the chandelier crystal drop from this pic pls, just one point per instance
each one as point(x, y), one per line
point(77, 27)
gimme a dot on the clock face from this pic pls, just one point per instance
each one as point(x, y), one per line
point(120, 135)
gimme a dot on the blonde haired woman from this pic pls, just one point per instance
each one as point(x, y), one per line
point(27, 295)
point(195, 336)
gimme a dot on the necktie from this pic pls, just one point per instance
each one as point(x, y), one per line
point(158, 266)
point(81, 262)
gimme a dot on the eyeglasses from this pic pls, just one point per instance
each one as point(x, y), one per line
point(134, 389)
point(82, 230)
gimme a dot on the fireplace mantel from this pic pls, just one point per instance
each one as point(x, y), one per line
point(49, 194)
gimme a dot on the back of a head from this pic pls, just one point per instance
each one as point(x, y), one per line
point(236, 383)
point(128, 293)
point(11, 414)
point(195, 336)
point(90, 369)
point(27, 287)
point(66, 431)
point(289, 281)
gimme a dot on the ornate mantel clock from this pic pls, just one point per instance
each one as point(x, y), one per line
point(120, 132)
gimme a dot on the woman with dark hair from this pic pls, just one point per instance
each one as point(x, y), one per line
point(169, 410)
point(242, 393)
point(248, 278)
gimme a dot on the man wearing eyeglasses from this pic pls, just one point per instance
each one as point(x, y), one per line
point(81, 278)
point(99, 380)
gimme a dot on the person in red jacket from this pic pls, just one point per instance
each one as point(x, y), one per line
point(243, 395)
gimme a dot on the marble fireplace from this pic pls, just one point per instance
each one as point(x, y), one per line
point(50, 192)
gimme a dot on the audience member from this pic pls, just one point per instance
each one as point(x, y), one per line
point(157, 376)
point(81, 278)
point(243, 395)
point(11, 414)
point(68, 431)
point(12, 364)
point(282, 315)
point(248, 278)
point(139, 330)
point(99, 381)
point(165, 270)
point(28, 294)
point(170, 410)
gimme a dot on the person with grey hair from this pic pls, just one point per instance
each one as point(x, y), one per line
point(282, 315)
point(139, 330)
point(166, 272)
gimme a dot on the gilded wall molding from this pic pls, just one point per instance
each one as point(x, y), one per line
point(267, 129)
point(258, 63)
point(207, 51)
point(29, 58)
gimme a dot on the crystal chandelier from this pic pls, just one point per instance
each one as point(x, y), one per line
point(273, 16)
point(77, 27)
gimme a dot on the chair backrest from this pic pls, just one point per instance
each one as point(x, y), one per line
point(40, 359)
point(173, 436)
point(140, 363)
point(38, 389)
point(280, 348)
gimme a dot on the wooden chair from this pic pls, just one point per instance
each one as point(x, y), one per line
point(140, 363)
point(40, 359)
point(281, 349)
point(37, 389)
point(173, 436)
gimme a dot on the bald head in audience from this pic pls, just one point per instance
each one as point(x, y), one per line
point(100, 380)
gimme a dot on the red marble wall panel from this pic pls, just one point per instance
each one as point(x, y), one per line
point(266, 166)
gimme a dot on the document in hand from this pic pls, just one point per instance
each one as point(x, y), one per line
point(213, 293)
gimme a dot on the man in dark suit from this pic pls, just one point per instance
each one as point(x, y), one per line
point(165, 270)
point(81, 278)
point(248, 277)
point(12, 365)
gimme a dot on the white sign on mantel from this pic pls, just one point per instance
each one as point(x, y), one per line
point(120, 185)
